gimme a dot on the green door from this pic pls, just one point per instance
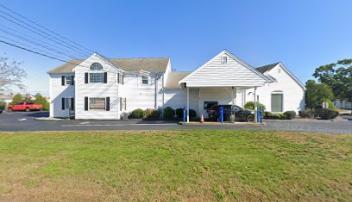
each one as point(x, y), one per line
point(276, 102)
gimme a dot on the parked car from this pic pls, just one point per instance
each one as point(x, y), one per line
point(240, 113)
point(25, 106)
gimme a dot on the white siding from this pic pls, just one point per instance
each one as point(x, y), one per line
point(293, 93)
point(109, 89)
point(56, 92)
point(216, 74)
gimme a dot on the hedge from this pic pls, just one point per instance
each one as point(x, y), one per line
point(137, 114)
point(152, 114)
point(250, 105)
point(169, 113)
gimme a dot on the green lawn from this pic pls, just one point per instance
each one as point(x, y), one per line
point(183, 165)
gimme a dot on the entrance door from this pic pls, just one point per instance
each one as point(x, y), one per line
point(277, 102)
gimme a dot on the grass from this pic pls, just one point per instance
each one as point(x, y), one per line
point(179, 166)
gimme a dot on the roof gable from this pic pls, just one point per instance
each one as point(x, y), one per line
point(267, 68)
point(234, 73)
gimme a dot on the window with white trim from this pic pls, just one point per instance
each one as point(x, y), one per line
point(145, 80)
point(96, 77)
point(97, 103)
point(69, 80)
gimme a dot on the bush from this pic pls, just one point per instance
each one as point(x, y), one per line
point(326, 113)
point(290, 114)
point(151, 114)
point(330, 104)
point(250, 105)
point(2, 105)
point(306, 114)
point(192, 113)
point(270, 115)
point(137, 114)
point(179, 113)
point(169, 113)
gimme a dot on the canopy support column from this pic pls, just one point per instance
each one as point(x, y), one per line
point(255, 104)
point(187, 104)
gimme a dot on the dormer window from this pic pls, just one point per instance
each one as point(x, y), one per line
point(96, 67)
point(224, 60)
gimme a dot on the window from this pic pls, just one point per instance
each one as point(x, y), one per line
point(96, 77)
point(67, 103)
point(145, 80)
point(69, 80)
point(96, 66)
point(223, 60)
point(120, 78)
point(122, 104)
point(97, 103)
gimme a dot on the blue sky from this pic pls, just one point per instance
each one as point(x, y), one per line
point(301, 34)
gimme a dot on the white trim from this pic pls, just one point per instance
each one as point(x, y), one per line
point(290, 74)
point(184, 80)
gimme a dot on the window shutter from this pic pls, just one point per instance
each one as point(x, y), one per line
point(63, 103)
point(72, 103)
point(118, 77)
point(120, 103)
point(107, 104)
point(123, 79)
point(86, 103)
point(125, 103)
point(62, 80)
point(105, 77)
point(72, 80)
point(86, 77)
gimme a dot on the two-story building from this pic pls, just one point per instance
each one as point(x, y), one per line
point(102, 88)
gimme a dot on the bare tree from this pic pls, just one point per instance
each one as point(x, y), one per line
point(11, 74)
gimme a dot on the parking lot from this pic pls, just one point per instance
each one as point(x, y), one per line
point(26, 121)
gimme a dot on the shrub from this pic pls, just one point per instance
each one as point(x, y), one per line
point(137, 114)
point(2, 105)
point(270, 115)
point(306, 114)
point(330, 104)
point(250, 105)
point(169, 113)
point(192, 113)
point(326, 113)
point(151, 114)
point(290, 114)
point(179, 113)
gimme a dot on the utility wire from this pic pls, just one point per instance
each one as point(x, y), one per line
point(12, 34)
point(48, 30)
point(29, 28)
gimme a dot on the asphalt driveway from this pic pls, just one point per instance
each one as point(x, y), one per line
point(26, 121)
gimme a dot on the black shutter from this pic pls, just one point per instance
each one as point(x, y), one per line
point(123, 79)
point(125, 103)
point(105, 77)
point(86, 103)
point(120, 103)
point(72, 103)
point(86, 77)
point(118, 77)
point(62, 80)
point(72, 80)
point(107, 107)
point(63, 103)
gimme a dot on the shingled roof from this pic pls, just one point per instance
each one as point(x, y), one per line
point(266, 68)
point(127, 64)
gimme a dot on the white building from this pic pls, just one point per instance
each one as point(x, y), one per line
point(101, 88)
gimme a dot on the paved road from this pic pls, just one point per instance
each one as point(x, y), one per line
point(25, 121)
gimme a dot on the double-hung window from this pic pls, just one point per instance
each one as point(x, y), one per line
point(97, 103)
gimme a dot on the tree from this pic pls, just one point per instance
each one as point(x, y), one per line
point(11, 74)
point(317, 93)
point(17, 99)
point(39, 99)
point(338, 76)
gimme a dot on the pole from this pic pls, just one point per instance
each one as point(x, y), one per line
point(255, 104)
point(187, 104)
